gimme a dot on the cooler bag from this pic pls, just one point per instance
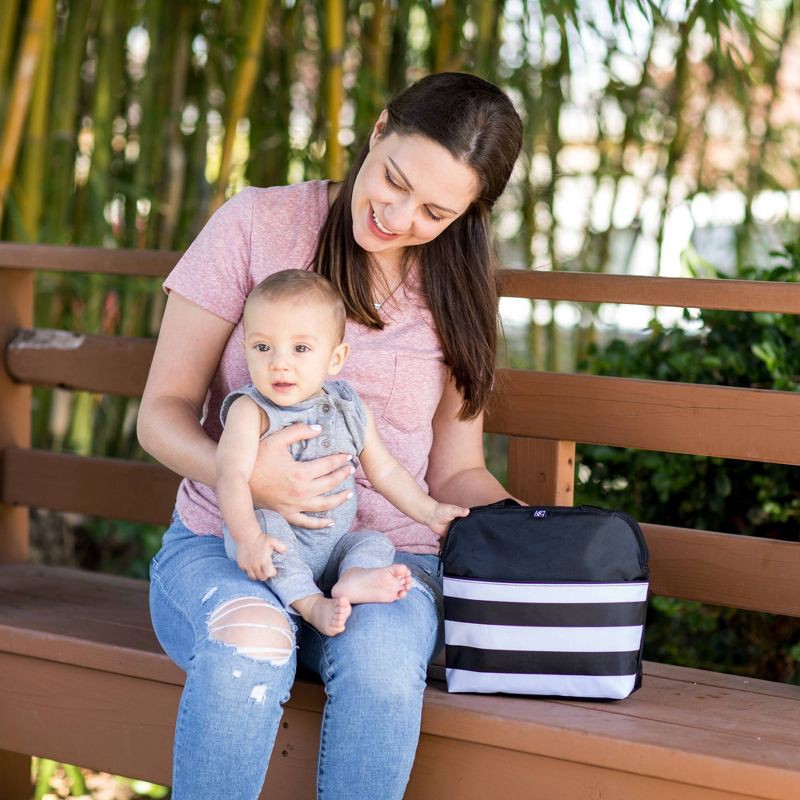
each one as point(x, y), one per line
point(545, 601)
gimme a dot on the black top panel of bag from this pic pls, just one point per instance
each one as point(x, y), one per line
point(592, 544)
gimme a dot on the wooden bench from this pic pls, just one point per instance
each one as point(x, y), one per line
point(83, 680)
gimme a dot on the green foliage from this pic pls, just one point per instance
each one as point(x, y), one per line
point(730, 349)
point(118, 547)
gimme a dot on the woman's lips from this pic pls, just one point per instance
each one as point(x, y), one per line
point(375, 230)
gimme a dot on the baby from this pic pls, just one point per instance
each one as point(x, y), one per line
point(293, 329)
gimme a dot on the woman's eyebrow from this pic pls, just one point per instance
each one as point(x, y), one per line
point(408, 183)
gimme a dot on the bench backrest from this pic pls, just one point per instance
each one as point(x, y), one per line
point(544, 415)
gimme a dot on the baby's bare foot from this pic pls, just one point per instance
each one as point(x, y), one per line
point(377, 585)
point(327, 615)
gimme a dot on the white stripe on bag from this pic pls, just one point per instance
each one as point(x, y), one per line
point(564, 640)
point(616, 687)
point(546, 592)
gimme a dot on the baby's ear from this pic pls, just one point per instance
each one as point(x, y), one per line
point(338, 357)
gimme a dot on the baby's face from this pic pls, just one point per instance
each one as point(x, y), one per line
point(291, 348)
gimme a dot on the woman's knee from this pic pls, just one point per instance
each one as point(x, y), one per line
point(384, 674)
point(255, 628)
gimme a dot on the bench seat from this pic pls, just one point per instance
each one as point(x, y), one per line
point(81, 672)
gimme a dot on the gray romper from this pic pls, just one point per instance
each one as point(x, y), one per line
point(311, 554)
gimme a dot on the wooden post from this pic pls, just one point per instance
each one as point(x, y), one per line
point(541, 471)
point(15, 776)
point(16, 310)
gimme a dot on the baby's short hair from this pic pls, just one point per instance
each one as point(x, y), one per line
point(296, 283)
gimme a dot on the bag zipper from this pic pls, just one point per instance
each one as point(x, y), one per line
point(513, 506)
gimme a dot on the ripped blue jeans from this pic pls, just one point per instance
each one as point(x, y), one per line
point(240, 649)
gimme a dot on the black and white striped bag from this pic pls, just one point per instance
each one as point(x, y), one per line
point(545, 601)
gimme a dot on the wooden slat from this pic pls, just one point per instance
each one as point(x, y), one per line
point(586, 287)
point(107, 364)
point(576, 286)
point(750, 424)
point(724, 569)
point(479, 771)
point(92, 620)
point(103, 487)
point(729, 422)
point(541, 471)
point(144, 263)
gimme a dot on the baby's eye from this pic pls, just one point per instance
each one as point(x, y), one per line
point(262, 348)
point(302, 348)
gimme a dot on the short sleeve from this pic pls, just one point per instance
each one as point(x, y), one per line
point(214, 272)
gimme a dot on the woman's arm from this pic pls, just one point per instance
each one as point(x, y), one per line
point(189, 348)
point(398, 486)
point(190, 345)
point(456, 469)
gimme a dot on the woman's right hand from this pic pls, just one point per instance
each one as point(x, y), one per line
point(293, 488)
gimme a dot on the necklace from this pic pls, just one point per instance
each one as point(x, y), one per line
point(378, 305)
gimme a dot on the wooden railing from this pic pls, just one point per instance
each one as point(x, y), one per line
point(544, 414)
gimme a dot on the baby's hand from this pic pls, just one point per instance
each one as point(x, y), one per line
point(254, 556)
point(442, 515)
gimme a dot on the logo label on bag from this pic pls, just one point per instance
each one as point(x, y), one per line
point(540, 513)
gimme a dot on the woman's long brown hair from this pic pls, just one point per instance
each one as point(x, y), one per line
point(476, 122)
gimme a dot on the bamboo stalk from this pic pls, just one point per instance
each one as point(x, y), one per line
point(488, 14)
point(445, 36)
point(376, 51)
point(32, 171)
point(398, 51)
point(373, 73)
point(676, 105)
point(8, 25)
point(175, 171)
point(66, 93)
point(270, 145)
point(254, 22)
point(196, 192)
point(150, 126)
point(109, 54)
point(21, 93)
point(334, 45)
point(756, 172)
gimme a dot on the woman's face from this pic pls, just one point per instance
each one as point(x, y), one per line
point(408, 190)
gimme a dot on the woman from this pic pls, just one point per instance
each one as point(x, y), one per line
point(405, 239)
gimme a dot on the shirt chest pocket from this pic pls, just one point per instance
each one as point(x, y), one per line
point(417, 388)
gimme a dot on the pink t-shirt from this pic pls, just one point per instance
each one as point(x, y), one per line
point(399, 371)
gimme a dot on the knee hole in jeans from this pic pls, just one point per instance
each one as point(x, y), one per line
point(256, 628)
